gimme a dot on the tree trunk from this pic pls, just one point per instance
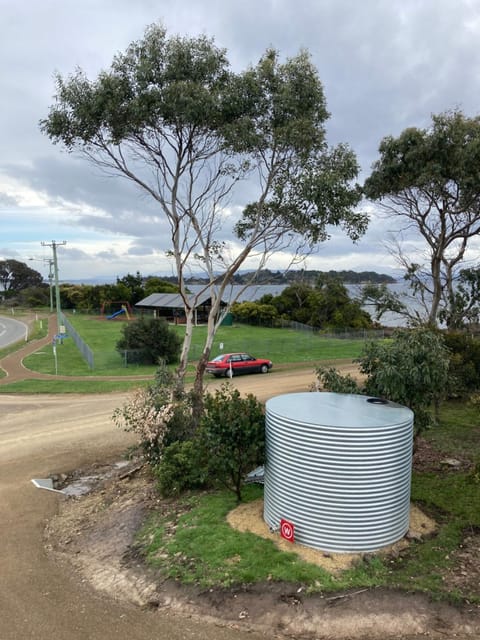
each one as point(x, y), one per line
point(437, 290)
point(181, 371)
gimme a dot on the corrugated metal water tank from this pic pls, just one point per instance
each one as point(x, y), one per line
point(338, 467)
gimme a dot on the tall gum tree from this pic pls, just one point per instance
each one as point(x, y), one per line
point(430, 179)
point(171, 116)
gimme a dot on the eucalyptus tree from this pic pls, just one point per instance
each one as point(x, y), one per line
point(429, 179)
point(16, 276)
point(171, 116)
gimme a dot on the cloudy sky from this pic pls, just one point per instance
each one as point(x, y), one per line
point(385, 65)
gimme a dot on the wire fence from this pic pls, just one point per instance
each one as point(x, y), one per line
point(82, 346)
point(308, 345)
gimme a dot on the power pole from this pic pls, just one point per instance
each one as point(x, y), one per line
point(54, 246)
point(50, 282)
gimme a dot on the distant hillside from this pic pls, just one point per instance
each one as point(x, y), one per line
point(309, 276)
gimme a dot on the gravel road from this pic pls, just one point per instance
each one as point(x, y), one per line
point(42, 435)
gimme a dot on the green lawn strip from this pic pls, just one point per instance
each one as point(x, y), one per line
point(459, 430)
point(453, 500)
point(205, 550)
point(71, 386)
point(282, 346)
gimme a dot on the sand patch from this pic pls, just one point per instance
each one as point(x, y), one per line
point(249, 517)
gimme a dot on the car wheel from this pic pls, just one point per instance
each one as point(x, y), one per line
point(229, 373)
point(264, 368)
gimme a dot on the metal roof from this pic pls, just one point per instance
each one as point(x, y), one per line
point(238, 293)
point(171, 300)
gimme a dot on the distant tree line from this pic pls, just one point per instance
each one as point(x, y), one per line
point(325, 305)
point(21, 285)
point(305, 276)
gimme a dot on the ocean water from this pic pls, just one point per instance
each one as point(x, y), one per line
point(242, 293)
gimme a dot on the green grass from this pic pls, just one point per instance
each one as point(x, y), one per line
point(283, 346)
point(194, 544)
point(280, 345)
point(72, 386)
point(459, 431)
point(205, 550)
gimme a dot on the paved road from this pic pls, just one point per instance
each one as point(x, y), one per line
point(11, 331)
point(39, 599)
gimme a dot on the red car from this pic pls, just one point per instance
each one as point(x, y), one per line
point(232, 364)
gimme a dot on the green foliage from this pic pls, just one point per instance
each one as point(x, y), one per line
point(411, 369)
point(255, 313)
point(132, 285)
point(463, 307)
point(429, 177)
point(231, 436)
point(331, 380)
point(16, 276)
point(37, 296)
point(158, 285)
point(382, 300)
point(180, 469)
point(327, 305)
point(151, 339)
point(220, 127)
point(464, 363)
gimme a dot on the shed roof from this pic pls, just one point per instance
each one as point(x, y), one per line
point(171, 301)
point(199, 295)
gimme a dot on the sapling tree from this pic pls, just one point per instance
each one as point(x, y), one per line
point(412, 369)
point(232, 437)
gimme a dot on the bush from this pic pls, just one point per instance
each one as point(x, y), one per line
point(411, 369)
point(331, 380)
point(157, 418)
point(231, 437)
point(464, 363)
point(180, 469)
point(140, 415)
point(151, 339)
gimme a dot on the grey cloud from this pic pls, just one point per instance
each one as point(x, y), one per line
point(8, 201)
point(384, 66)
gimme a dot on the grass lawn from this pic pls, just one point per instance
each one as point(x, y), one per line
point(280, 345)
point(194, 544)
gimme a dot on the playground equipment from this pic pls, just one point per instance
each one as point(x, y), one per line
point(125, 308)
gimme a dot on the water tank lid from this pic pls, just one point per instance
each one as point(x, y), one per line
point(338, 410)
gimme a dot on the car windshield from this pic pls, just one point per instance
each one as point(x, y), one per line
point(218, 358)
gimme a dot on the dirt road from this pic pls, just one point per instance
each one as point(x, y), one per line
point(40, 600)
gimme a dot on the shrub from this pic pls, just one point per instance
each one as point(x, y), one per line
point(411, 369)
point(151, 339)
point(464, 363)
point(231, 436)
point(140, 415)
point(180, 469)
point(156, 417)
point(331, 380)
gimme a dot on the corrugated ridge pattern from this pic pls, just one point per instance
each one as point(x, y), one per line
point(344, 489)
